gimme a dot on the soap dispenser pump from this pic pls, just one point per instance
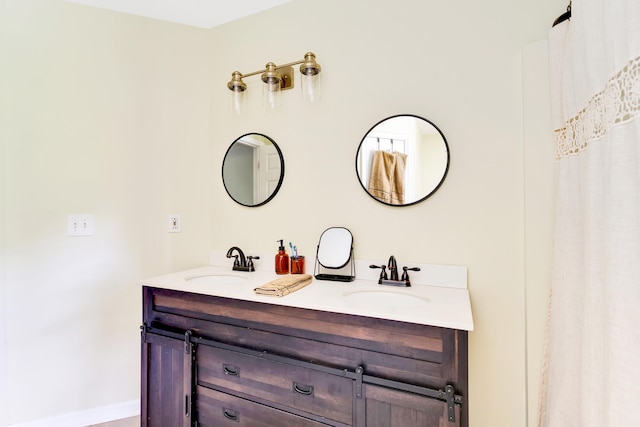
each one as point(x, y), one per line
point(282, 260)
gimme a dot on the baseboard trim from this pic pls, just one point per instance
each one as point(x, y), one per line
point(88, 417)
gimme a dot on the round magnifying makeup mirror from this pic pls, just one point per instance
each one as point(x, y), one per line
point(253, 169)
point(402, 160)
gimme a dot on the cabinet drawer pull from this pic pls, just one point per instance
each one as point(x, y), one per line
point(231, 370)
point(231, 414)
point(307, 390)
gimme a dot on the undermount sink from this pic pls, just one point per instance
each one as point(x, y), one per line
point(385, 300)
point(217, 279)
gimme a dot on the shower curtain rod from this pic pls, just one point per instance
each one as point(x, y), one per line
point(564, 16)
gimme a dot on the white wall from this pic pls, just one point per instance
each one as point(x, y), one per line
point(104, 114)
point(126, 118)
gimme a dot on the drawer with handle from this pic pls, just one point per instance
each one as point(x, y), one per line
point(316, 392)
point(216, 409)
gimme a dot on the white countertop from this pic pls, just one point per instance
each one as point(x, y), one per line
point(443, 305)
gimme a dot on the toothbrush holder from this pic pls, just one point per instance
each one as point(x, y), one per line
point(297, 265)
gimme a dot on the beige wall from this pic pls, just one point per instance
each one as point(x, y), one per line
point(3, 287)
point(132, 115)
point(539, 205)
point(461, 66)
point(104, 114)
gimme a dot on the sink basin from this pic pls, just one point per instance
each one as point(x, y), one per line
point(385, 300)
point(217, 279)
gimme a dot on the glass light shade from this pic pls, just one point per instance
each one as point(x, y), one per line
point(271, 94)
point(238, 102)
point(311, 87)
point(238, 89)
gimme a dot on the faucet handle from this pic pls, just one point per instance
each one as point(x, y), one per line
point(236, 263)
point(250, 263)
point(383, 273)
point(405, 274)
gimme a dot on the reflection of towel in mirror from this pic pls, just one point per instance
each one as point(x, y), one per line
point(284, 285)
point(386, 182)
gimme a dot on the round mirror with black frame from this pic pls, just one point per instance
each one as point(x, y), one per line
point(402, 160)
point(253, 169)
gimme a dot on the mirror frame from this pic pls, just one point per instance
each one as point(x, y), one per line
point(444, 175)
point(275, 191)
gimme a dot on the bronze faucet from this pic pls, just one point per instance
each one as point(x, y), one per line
point(244, 263)
point(393, 279)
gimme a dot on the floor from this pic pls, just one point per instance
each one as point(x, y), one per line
point(126, 422)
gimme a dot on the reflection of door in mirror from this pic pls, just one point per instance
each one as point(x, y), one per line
point(253, 169)
point(238, 172)
point(268, 176)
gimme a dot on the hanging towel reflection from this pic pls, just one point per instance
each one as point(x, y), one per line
point(386, 182)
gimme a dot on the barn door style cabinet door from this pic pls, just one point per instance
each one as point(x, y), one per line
point(167, 380)
point(213, 361)
point(392, 407)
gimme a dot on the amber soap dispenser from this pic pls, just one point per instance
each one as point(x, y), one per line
point(282, 260)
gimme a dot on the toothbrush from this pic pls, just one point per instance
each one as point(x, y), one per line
point(295, 251)
point(291, 246)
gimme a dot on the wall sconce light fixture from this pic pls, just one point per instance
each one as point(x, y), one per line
point(277, 78)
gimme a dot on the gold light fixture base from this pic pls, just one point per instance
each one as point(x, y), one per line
point(286, 74)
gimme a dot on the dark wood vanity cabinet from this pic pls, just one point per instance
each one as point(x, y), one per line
point(212, 361)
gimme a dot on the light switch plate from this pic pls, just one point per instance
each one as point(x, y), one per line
point(174, 223)
point(79, 225)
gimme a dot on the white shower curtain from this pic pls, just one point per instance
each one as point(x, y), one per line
point(591, 375)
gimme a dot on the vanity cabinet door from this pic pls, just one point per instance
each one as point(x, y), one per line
point(385, 407)
point(217, 409)
point(167, 391)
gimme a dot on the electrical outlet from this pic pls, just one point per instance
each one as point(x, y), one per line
point(174, 223)
point(79, 225)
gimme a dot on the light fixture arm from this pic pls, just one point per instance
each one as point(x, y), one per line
point(253, 73)
point(290, 64)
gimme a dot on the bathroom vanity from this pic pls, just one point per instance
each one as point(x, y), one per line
point(219, 355)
